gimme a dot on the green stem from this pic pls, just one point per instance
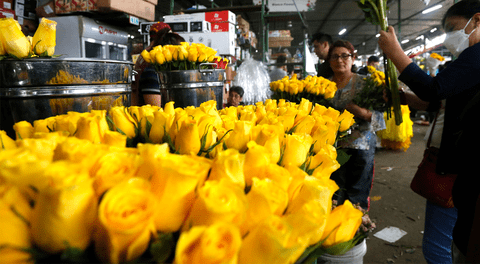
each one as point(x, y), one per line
point(391, 70)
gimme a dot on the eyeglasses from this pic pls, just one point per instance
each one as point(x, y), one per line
point(344, 56)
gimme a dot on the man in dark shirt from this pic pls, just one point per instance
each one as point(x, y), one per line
point(372, 61)
point(321, 43)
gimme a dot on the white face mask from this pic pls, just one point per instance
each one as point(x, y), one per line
point(457, 41)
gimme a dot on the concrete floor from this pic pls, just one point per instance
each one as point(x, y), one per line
point(394, 204)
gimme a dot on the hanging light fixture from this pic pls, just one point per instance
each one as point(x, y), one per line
point(342, 31)
point(431, 9)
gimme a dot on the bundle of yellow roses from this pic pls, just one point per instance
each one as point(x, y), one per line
point(397, 137)
point(316, 89)
point(13, 42)
point(70, 189)
point(371, 95)
point(183, 57)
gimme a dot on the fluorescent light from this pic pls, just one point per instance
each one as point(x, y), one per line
point(378, 35)
point(431, 9)
point(420, 37)
point(433, 30)
point(405, 41)
point(342, 31)
point(355, 51)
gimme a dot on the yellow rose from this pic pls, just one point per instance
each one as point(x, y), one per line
point(218, 201)
point(14, 236)
point(21, 166)
point(217, 244)
point(228, 165)
point(268, 243)
point(23, 129)
point(269, 137)
point(5, 141)
point(123, 121)
point(88, 128)
point(146, 56)
point(44, 40)
point(346, 120)
point(112, 168)
point(162, 123)
point(325, 134)
point(66, 123)
point(173, 183)
point(125, 221)
point(43, 148)
point(324, 163)
point(276, 196)
point(41, 126)
point(187, 140)
point(305, 125)
point(297, 147)
point(342, 224)
point(278, 174)
point(298, 177)
point(80, 151)
point(65, 210)
point(113, 138)
point(314, 198)
point(257, 158)
point(15, 42)
point(240, 136)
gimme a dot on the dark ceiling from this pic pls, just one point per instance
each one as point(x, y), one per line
point(330, 16)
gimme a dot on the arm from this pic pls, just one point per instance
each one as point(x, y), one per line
point(389, 44)
point(359, 112)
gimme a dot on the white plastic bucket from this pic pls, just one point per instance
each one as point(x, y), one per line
point(353, 256)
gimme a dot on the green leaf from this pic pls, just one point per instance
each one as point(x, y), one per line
point(163, 247)
point(73, 254)
point(342, 157)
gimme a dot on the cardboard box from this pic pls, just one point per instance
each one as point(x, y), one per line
point(92, 5)
point(63, 6)
point(47, 10)
point(184, 18)
point(280, 42)
point(5, 13)
point(6, 4)
point(223, 27)
point(138, 8)
point(279, 33)
point(221, 16)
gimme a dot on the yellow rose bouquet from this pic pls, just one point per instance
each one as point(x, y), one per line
point(315, 89)
point(184, 57)
point(247, 184)
point(14, 44)
point(371, 95)
point(398, 137)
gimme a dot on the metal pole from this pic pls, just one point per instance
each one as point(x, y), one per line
point(172, 4)
point(264, 39)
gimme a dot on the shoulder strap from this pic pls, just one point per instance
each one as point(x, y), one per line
point(431, 131)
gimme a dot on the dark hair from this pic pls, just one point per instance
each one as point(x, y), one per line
point(237, 89)
point(171, 39)
point(465, 8)
point(281, 59)
point(373, 59)
point(342, 44)
point(322, 37)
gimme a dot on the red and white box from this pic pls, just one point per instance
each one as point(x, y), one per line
point(221, 16)
point(222, 27)
point(6, 13)
point(6, 4)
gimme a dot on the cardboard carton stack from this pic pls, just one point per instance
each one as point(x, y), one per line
point(139, 8)
point(6, 9)
point(279, 38)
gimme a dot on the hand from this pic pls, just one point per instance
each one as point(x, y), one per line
point(388, 41)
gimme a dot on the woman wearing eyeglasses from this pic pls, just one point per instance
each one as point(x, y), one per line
point(354, 177)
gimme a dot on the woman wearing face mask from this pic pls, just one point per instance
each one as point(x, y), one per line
point(458, 84)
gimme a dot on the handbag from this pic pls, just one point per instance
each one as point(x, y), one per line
point(435, 187)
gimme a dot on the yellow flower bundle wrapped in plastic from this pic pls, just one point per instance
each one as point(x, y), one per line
point(397, 137)
point(437, 56)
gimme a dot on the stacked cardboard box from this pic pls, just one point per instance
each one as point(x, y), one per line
point(6, 9)
point(139, 8)
point(279, 38)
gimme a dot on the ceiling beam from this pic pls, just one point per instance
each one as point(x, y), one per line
point(330, 12)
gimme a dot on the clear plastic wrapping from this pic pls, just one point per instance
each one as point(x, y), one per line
point(253, 77)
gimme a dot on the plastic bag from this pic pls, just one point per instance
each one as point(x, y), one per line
point(253, 77)
point(432, 64)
